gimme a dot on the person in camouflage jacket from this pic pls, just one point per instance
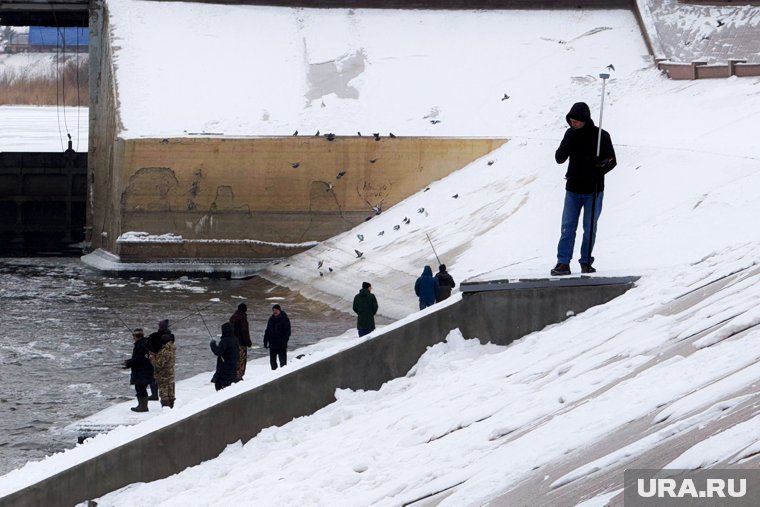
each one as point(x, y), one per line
point(163, 369)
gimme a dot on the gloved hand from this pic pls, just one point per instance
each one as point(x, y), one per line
point(266, 345)
point(603, 164)
point(213, 342)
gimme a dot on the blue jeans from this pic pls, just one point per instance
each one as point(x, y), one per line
point(570, 214)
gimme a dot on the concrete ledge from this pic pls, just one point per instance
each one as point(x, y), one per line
point(498, 316)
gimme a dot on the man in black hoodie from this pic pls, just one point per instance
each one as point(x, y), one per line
point(276, 337)
point(585, 178)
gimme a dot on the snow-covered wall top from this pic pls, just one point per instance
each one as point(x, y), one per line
point(185, 68)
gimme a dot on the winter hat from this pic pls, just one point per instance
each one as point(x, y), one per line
point(442, 267)
point(366, 285)
point(163, 325)
point(138, 332)
point(242, 307)
point(276, 307)
point(226, 329)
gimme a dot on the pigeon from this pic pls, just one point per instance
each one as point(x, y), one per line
point(330, 136)
point(330, 269)
point(295, 165)
point(610, 67)
point(435, 122)
point(358, 253)
point(360, 236)
point(426, 189)
point(286, 265)
point(295, 133)
point(317, 134)
point(377, 136)
point(321, 274)
point(377, 209)
point(505, 97)
point(368, 218)
point(721, 22)
point(163, 141)
point(329, 186)
point(390, 134)
point(490, 162)
point(407, 221)
point(319, 264)
point(455, 196)
point(358, 133)
point(420, 210)
point(340, 175)
point(396, 227)
point(372, 160)
point(381, 233)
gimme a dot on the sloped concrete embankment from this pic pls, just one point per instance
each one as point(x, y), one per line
point(495, 312)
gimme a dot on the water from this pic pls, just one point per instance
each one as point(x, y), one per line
point(64, 334)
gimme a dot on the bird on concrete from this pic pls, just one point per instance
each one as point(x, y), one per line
point(372, 160)
point(319, 264)
point(435, 122)
point(321, 274)
point(330, 136)
point(368, 218)
point(721, 22)
point(163, 141)
point(358, 133)
point(381, 233)
point(407, 221)
point(505, 97)
point(295, 165)
point(426, 189)
point(420, 210)
point(317, 134)
point(610, 67)
point(340, 175)
point(377, 209)
point(377, 136)
point(329, 187)
point(396, 227)
point(358, 253)
point(361, 237)
point(390, 134)
point(490, 162)
point(330, 269)
point(455, 196)
point(295, 133)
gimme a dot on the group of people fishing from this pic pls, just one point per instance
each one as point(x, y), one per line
point(153, 357)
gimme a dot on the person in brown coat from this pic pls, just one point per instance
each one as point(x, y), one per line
point(239, 321)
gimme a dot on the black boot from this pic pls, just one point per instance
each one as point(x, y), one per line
point(587, 268)
point(142, 404)
point(560, 269)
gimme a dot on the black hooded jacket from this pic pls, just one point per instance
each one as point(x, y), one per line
point(277, 332)
point(585, 175)
point(227, 355)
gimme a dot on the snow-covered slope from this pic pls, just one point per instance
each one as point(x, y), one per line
point(671, 361)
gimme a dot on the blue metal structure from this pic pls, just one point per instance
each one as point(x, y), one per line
point(64, 36)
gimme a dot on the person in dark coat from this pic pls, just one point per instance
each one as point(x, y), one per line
point(239, 321)
point(142, 370)
point(227, 356)
point(276, 337)
point(365, 306)
point(155, 342)
point(426, 288)
point(585, 177)
point(445, 283)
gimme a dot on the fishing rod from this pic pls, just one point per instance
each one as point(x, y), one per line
point(204, 321)
point(431, 246)
point(93, 366)
point(130, 329)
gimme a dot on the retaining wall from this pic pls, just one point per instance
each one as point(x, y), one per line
point(499, 316)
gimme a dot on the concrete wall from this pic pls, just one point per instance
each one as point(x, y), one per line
point(208, 189)
point(499, 316)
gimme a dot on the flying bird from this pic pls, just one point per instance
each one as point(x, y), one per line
point(435, 122)
point(372, 160)
point(340, 175)
point(721, 22)
point(390, 134)
point(455, 196)
point(505, 97)
point(377, 136)
point(295, 165)
point(295, 133)
point(360, 236)
point(610, 67)
point(330, 136)
point(358, 253)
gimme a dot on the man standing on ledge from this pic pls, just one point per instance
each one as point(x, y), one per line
point(365, 306)
point(585, 182)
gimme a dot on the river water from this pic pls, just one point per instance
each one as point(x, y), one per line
point(64, 334)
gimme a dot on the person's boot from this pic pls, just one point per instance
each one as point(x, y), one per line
point(142, 404)
point(164, 403)
point(587, 268)
point(560, 269)
point(170, 403)
point(153, 392)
